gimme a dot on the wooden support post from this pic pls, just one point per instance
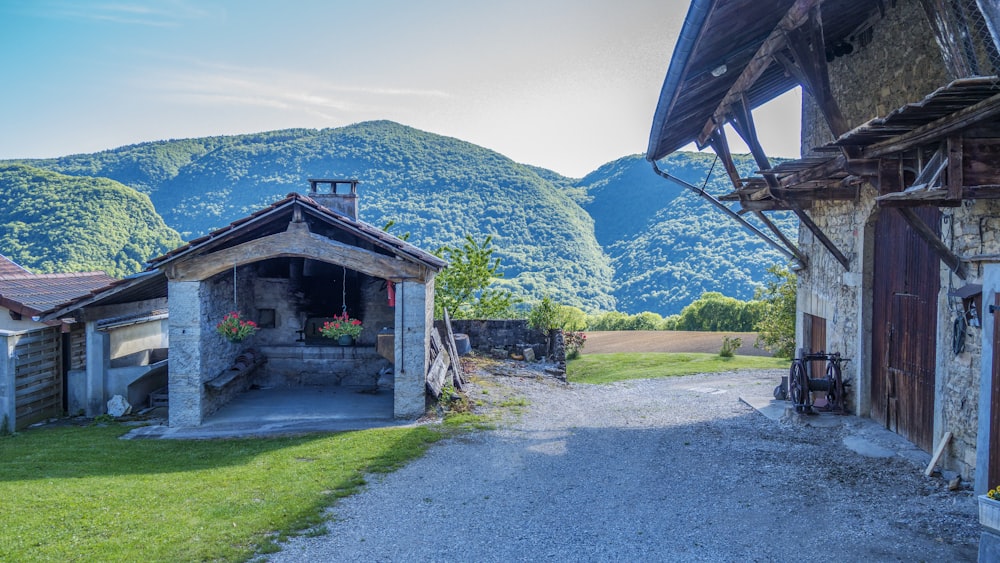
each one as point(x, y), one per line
point(821, 236)
point(940, 248)
point(937, 453)
point(799, 255)
point(955, 178)
point(807, 46)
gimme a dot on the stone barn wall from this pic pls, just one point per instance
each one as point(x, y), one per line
point(900, 64)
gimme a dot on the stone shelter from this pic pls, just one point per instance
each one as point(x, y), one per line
point(289, 268)
point(35, 356)
point(898, 250)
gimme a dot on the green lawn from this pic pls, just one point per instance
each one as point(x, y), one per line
point(81, 494)
point(607, 368)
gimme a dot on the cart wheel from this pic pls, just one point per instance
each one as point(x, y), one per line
point(837, 395)
point(798, 386)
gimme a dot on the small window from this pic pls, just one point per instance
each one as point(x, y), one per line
point(266, 318)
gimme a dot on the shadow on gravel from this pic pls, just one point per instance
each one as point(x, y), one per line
point(742, 488)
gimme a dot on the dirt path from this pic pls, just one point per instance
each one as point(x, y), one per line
point(672, 469)
point(607, 342)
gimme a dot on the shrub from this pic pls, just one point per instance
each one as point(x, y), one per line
point(729, 346)
point(574, 342)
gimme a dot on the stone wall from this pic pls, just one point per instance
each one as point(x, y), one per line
point(512, 335)
point(197, 352)
point(901, 64)
point(902, 57)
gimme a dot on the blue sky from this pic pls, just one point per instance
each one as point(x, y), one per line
point(564, 84)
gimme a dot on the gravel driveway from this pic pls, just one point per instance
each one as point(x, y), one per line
point(675, 469)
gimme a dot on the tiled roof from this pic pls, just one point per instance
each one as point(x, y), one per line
point(375, 235)
point(31, 293)
point(10, 268)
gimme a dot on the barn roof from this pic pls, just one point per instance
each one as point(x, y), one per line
point(725, 51)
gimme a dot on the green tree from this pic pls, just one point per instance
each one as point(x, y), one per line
point(776, 327)
point(571, 318)
point(464, 286)
point(714, 311)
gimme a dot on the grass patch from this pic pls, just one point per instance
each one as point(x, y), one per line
point(467, 420)
point(81, 494)
point(607, 368)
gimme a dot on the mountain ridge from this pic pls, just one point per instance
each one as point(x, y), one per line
point(601, 242)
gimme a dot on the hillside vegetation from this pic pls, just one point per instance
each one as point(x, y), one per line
point(437, 188)
point(51, 222)
point(667, 245)
point(621, 238)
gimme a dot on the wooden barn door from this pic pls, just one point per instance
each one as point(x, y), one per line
point(904, 327)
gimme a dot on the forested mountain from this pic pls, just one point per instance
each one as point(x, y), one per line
point(51, 222)
point(437, 188)
point(667, 244)
point(620, 238)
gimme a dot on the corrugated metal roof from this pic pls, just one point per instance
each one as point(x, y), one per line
point(32, 294)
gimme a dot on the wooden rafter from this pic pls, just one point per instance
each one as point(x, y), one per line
point(797, 15)
point(807, 46)
point(821, 236)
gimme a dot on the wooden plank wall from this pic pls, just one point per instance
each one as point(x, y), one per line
point(78, 347)
point(38, 376)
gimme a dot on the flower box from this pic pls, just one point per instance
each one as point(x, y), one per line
point(989, 513)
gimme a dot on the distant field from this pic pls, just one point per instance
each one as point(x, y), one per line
point(611, 342)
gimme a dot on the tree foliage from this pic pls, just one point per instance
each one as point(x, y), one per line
point(620, 238)
point(776, 327)
point(715, 312)
point(464, 286)
point(51, 222)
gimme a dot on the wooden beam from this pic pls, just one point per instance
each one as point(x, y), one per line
point(743, 124)
point(799, 255)
point(297, 242)
point(936, 130)
point(955, 179)
point(100, 312)
point(941, 249)
point(762, 59)
point(821, 236)
point(807, 46)
point(721, 147)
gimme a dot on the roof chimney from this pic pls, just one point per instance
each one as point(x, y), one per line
point(339, 198)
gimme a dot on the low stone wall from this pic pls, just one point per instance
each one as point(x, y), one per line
point(297, 366)
point(511, 335)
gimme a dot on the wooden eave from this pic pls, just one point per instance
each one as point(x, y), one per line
point(948, 113)
point(747, 38)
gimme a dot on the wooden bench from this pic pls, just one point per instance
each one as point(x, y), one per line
point(244, 365)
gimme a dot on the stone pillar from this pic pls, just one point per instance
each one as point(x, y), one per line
point(98, 363)
point(185, 353)
point(414, 320)
point(8, 369)
point(984, 442)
